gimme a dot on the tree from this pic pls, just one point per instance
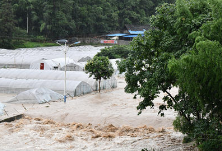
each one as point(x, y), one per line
point(55, 19)
point(7, 23)
point(199, 77)
point(182, 49)
point(99, 67)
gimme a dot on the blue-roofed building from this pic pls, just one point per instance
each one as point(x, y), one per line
point(116, 35)
point(135, 30)
point(130, 37)
point(129, 32)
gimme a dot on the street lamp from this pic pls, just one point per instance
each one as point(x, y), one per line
point(60, 42)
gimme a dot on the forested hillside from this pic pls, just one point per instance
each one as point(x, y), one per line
point(64, 18)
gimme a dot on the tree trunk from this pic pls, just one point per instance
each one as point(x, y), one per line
point(99, 86)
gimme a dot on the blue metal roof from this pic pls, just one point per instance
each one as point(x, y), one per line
point(114, 35)
point(62, 41)
point(129, 36)
point(136, 32)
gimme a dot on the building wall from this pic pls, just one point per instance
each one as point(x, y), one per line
point(98, 41)
point(123, 42)
point(90, 40)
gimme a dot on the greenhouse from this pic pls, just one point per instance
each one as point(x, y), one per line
point(57, 64)
point(36, 96)
point(57, 75)
point(1, 108)
point(73, 88)
point(23, 57)
point(115, 67)
point(75, 66)
point(85, 59)
point(44, 64)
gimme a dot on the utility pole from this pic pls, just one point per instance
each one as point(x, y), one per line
point(27, 22)
point(64, 41)
point(65, 51)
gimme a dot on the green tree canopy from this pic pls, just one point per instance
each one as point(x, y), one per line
point(7, 24)
point(182, 49)
point(99, 67)
point(70, 18)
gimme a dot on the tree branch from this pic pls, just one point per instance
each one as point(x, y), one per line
point(181, 112)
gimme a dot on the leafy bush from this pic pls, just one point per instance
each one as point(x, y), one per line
point(117, 51)
point(187, 139)
point(211, 145)
point(19, 33)
point(6, 43)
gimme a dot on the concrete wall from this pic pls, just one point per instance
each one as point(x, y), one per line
point(90, 40)
point(123, 42)
point(98, 41)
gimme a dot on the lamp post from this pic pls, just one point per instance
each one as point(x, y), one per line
point(65, 51)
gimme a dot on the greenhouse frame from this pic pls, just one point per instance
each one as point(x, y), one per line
point(36, 96)
point(23, 57)
point(57, 64)
point(57, 75)
point(73, 88)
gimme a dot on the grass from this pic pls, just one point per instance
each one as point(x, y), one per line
point(29, 44)
point(37, 44)
point(95, 44)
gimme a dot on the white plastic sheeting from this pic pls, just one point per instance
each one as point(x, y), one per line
point(114, 64)
point(57, 64)
point(48, 64)
point(73, 88)
point(22, 58)
point(61, 61)
point(115, 67)
point(73, 67)
point(1, 108)
point(85, 59)
point(57, 75)
point(34, 96)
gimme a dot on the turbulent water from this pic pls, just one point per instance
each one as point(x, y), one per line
point(44, 134)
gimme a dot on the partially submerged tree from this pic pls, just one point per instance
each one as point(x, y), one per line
point(190, 33)
point(99, 67)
